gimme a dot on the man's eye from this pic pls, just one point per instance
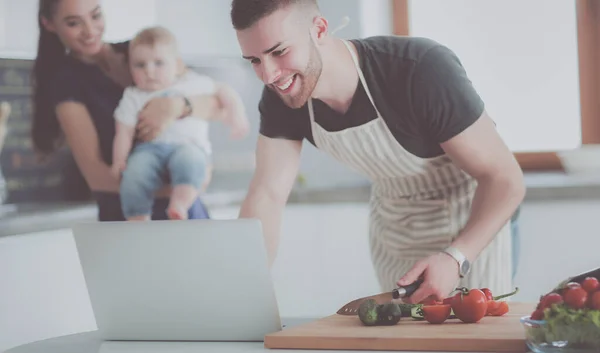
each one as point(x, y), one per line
point(279, 52)
point(255, 61)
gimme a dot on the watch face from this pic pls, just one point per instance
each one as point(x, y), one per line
point(465, 267)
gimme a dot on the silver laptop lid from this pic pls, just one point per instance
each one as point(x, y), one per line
point(198, 280)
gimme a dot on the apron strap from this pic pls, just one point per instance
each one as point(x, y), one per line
point(361, 76)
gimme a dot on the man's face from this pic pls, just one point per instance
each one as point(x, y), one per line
point(283, 55)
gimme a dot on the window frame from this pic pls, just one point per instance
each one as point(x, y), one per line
point(588, 46)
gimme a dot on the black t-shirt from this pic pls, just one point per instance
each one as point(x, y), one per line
point(77, 81)
point(419, 87)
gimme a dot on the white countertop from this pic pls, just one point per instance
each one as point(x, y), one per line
point(88, 343)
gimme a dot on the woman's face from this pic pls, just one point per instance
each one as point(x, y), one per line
point(79, 24)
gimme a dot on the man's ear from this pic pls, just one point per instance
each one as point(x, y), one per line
point(320, 28)
point(48, 25)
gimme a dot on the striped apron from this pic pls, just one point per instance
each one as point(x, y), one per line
point(417, 205)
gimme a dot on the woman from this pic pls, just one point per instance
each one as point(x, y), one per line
point(78, 82)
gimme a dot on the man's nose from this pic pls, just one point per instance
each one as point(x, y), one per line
point(270, 72)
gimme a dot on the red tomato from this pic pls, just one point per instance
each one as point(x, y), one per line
point(537, 315)
point(596, 301)
point(430, 301)
point(488, 293)
point(576, 297)
point(492, 306)
point(590, 284)
point(469, 306)
point(499, 310)
point(549, 299)
point(436, 314)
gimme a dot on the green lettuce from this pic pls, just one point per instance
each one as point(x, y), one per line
point(579, 327)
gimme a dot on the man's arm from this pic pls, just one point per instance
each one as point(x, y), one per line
point(277, 164)
point(480, 152)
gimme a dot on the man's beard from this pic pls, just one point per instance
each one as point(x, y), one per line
point(307, 79)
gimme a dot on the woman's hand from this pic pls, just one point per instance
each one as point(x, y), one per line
point(157, 115)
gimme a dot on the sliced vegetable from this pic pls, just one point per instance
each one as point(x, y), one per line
point(389, 314)
point(436, 314)
point(406, 309)
point(469, 305)
point(500, 309)
point(417, 312)
point(492, 306)
point(368, 312)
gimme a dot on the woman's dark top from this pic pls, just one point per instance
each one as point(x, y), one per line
point(85, 83)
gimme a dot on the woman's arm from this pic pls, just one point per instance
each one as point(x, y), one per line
point(82, 138)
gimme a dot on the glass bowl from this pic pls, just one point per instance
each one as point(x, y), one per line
point(541, 338)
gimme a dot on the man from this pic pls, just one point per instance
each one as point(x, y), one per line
point(402, 112)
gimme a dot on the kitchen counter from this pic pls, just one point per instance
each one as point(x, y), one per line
point(88, 343)
point(27, 218)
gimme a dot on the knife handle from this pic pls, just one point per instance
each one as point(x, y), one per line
point(407, 291)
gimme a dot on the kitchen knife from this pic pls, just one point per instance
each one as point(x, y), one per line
point(579, 278)
point(401, 292)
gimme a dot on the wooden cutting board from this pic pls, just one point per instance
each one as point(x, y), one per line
point(337, 332)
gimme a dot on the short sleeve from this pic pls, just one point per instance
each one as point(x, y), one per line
point(277, 120)
point(126, 111)
point(65, 88)
point(443, 98)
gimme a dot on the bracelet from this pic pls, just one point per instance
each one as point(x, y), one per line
point(188, 109)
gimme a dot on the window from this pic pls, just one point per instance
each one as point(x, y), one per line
point(529, 62)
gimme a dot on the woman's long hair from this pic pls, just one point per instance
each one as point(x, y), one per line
point(45, 129)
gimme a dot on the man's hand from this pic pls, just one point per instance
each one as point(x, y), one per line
point(157, 115)
point(440, 277)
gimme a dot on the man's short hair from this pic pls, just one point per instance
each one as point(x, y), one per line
point(152, 36)
point(245, 13)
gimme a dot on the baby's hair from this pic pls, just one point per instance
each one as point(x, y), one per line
point(152, 36)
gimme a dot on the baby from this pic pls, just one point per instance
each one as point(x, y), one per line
point(182, 151)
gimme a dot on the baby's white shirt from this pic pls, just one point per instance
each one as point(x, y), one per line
point(187, 130)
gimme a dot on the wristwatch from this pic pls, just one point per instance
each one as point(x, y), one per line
point(464, 266)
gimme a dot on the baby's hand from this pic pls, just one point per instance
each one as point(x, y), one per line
point(117, 169)
point(239, 127)
point(236, 119)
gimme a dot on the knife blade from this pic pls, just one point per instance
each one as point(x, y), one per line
point(351, 308)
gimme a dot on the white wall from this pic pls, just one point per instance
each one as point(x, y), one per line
point(522, 58)
point(125, 18)
point(203, 27)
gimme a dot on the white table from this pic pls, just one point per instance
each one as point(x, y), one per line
point(89, 343)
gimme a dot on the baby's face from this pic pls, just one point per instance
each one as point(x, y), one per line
point(153, 67)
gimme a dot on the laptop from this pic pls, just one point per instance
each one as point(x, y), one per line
point(194, 280)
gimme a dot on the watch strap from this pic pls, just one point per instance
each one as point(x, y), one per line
point(458, 256)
